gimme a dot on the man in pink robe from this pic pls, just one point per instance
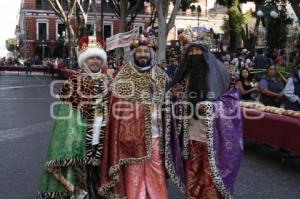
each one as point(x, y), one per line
point(132, 165)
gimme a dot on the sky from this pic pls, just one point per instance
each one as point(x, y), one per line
point(8, 20)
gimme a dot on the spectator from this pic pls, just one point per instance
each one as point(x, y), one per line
point(51, 68)
point(75, 65)
point(60, 65)
point(171, 68)
point(292, 90)
point(247, 89)
point(111, 68)
point(2, 61)
point(28, 66)
point(261, 61)
point(227, 65)
point(248, 61)
point(45, 66)
point(271, 88)
point(278, 57)
point(235, 61)
point(227, 56)
point(36, 60)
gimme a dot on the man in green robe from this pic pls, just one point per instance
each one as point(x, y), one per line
point(76, 146)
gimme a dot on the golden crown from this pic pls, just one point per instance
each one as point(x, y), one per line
point(89, 42)
point(143, 40)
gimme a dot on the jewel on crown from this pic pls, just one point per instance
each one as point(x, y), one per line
point(90, 42)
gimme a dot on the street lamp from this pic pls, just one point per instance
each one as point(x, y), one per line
point(199, 12)
point(268, 11)
point(62, 37)
point(43, 45)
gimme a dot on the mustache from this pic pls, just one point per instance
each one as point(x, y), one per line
point(144, 58)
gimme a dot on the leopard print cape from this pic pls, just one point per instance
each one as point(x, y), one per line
point(88, 95)
point(146, 89)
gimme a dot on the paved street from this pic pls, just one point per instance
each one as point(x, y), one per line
point(25, 129)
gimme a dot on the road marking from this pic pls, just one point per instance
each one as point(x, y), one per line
point(15, 80)
point(28, 86)
point(15, 133)
point(20, 98)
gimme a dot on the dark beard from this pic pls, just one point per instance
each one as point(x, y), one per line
point(141, 64)
point(197, 73)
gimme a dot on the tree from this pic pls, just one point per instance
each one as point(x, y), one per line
point(296, 7)
point(125, 8)
point(78, 7)
point(83, 7)
point(153, 17)
point(185, 4)
point(294, 3)
point(277, 29)
point(11, 44)
point(164, 25)
point(235, 22)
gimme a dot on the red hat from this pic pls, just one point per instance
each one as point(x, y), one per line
point(89, 47)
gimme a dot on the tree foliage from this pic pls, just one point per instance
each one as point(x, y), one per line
point(277, 29)
point(223, 2)
point(185, 4)
point(11, 44)
point(236, 21)
point(235, 26)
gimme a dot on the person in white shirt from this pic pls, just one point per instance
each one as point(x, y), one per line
point(292, 90)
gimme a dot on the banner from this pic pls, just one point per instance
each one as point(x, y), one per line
point(121, 40)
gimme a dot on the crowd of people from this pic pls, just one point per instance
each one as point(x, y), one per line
point(256, 76)
point(258, 80)
point(9, 61)
point(48, 65)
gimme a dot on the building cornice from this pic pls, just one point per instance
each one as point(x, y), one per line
point(90, 14)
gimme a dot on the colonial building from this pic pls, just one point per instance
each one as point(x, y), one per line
point(203, 13)
point(40, 33)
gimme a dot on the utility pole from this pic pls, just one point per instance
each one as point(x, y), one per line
point(102, 18)
point(25, 35)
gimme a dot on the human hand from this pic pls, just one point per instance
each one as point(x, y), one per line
point(255, 89)
point(177, 89)
point(281, 95)
point(201, 109)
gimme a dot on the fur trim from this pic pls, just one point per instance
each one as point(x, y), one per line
point(92, 52)
point(53, 195)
